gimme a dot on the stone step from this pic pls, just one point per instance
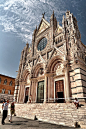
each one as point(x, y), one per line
point(65, 114)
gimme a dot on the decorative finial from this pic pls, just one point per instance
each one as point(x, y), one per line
point(58, 23)
point(63, 17)
point(27, 43)
point(43, 14)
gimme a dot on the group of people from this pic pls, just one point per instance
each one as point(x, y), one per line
point(11, 111)
point(8, 109)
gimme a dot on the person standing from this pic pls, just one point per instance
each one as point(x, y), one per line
point(12, 111)
point(5, 111)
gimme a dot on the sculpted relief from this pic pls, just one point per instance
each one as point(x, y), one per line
point(41, 72)
point(60, 69)
point(28, 79)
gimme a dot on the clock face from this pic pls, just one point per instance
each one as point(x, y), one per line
point(42, 44)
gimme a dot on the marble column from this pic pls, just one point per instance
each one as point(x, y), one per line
point(45, 85)
point(52, 88)
point(32, 91)
point(18, 94)
point(48, 89)
point(67, 85)
point(36, 92)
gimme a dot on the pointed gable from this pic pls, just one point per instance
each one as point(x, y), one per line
point(43, 26)
point(58, 30)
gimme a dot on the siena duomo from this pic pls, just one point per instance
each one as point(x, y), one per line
point(53, 68)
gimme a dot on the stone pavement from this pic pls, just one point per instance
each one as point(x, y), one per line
point(23, 123)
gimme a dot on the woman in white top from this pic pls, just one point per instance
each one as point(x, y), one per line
point(5, 111)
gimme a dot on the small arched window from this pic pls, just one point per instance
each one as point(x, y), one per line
point(10, 83)
point(3, 91)
point(0, 80)
point(5, 81)
point(9, 91)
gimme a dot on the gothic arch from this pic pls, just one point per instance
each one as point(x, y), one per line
point(25, 74)
point(54, 62)
point(36, 69)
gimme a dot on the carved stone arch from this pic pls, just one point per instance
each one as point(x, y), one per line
point(36, 69)
point(54, 62)
point(25, 75)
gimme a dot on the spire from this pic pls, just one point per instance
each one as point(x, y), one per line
point(53, 12)
point(36, 27)
point(52, 19)
point(27, 45)
point(58, 24)
point(63, 17)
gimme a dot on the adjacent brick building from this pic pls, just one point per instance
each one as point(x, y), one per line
point(55, 65)
point(7, 87)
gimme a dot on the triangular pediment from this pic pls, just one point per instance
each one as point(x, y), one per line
point(58, 30)
point(39, 60)
point(55, 52)
point(43, 26)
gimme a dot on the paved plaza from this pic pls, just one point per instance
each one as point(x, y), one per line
point(22, 123)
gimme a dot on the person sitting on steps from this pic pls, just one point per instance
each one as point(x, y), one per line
point(76, 102)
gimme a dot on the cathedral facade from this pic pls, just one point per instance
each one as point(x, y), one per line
point(53, 69)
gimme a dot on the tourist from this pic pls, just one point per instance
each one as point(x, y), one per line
point(12, 111)
point(5, 111)
point(76, 102)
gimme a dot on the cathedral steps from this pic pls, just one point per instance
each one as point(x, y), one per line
point(57, 113)
point(63, 114)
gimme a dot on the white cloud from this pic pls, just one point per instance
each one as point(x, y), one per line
point(22, 16)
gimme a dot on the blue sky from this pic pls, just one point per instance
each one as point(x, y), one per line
point(18, 19)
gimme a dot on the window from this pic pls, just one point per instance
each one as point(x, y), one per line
point(42, 44)
point(56, 41)
point(9, 91)
point(3, 91)
point(0, 80)
point(11, 83)
point(5, 81)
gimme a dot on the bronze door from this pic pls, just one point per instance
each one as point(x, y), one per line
point(59, 91)
point(40, 92)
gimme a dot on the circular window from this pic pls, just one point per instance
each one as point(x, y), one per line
point(42, 44)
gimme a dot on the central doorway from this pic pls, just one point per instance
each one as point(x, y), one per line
point(59, 91)
point(26, 94)
point(40, 92)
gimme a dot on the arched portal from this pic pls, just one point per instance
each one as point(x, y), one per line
point(39, 84)
point(40, 92)
point(55, 66)
point(26, 86)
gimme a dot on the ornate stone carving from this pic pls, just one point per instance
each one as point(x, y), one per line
point(60, 69)
point(28, 79)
